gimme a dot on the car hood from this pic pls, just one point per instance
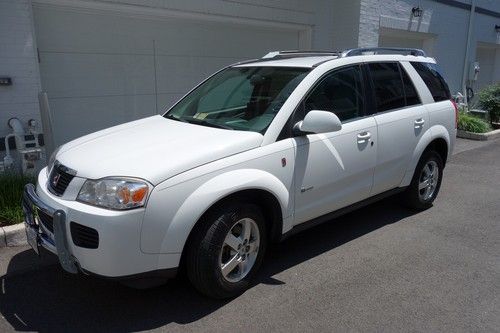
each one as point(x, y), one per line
point(153, 148)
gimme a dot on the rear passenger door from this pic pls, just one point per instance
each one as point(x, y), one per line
point(401, 121)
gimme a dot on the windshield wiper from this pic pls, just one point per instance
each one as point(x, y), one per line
point(205, 122)
point(169, 116)
point(197, 121)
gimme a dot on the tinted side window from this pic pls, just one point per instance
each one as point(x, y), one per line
point(433, 79)
point(388, 86)
point(411, 94)
point(339, 92)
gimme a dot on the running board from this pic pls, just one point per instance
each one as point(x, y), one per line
point(342, 211)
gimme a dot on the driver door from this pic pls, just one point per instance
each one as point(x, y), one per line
point(334, 170)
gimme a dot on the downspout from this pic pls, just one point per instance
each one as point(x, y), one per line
point(467, 46)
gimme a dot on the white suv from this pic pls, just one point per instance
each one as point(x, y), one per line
point(255, 153)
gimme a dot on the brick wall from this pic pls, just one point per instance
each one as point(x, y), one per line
point(369, 23)
point(445, 25)
point(18, 60)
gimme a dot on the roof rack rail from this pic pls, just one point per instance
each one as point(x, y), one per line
point(299, 53)
point(384, 50)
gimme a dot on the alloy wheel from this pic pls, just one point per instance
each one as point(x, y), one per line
point(428, 180)
point(239, 250)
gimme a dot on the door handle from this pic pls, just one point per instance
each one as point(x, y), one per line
point(419, 122)
point(362, 137)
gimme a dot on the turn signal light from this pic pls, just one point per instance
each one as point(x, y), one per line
point(456, 112)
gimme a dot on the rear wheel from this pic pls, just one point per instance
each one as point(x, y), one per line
point(226, 250)
point(426, 181)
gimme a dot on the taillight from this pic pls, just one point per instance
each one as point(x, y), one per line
point(456, 112)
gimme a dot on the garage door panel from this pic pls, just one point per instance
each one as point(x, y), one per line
point(61, 30)
point(165, 101)
point(225, 40)
point(179, 74)
point(74, 117)
point(390, 41)
point(98, 33)
point(80, 75)
point(113, 68)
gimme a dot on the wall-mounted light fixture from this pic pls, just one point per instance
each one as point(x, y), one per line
point(416, 11)
point(497, 28)
point(5, 81)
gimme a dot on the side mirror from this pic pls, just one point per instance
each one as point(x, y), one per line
point(318, 122)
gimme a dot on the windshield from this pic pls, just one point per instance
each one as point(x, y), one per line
point(239, 98)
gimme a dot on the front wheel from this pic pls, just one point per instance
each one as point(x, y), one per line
point(226, 250)
point(426, 181)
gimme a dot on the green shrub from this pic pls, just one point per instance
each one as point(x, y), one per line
point(11, 191)
point(470, 123)
point(489, 99)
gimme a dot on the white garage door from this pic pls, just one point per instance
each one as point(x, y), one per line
point(392, 41)
point(401, 38)
point(488, 57)
point(101, 69)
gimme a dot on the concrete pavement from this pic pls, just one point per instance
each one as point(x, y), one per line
point(383, 268)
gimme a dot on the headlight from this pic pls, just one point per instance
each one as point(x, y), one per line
point(52, 160)
point(114, 193)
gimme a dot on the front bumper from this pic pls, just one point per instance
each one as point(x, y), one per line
point(118, 254)
point(55, 241)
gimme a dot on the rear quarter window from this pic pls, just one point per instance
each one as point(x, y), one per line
point(433, 79)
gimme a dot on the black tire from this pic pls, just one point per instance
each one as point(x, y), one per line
point(412, 197)
point(205, 246)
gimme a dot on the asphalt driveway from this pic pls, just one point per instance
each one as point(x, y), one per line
point(383, 268)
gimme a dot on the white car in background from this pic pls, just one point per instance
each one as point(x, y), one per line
point(255, 153)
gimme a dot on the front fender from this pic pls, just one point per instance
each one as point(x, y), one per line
point(166, 227)
point(435, 132)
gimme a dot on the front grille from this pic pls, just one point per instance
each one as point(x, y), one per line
point(59, 180)
point(84, 236)
point(46, 220)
